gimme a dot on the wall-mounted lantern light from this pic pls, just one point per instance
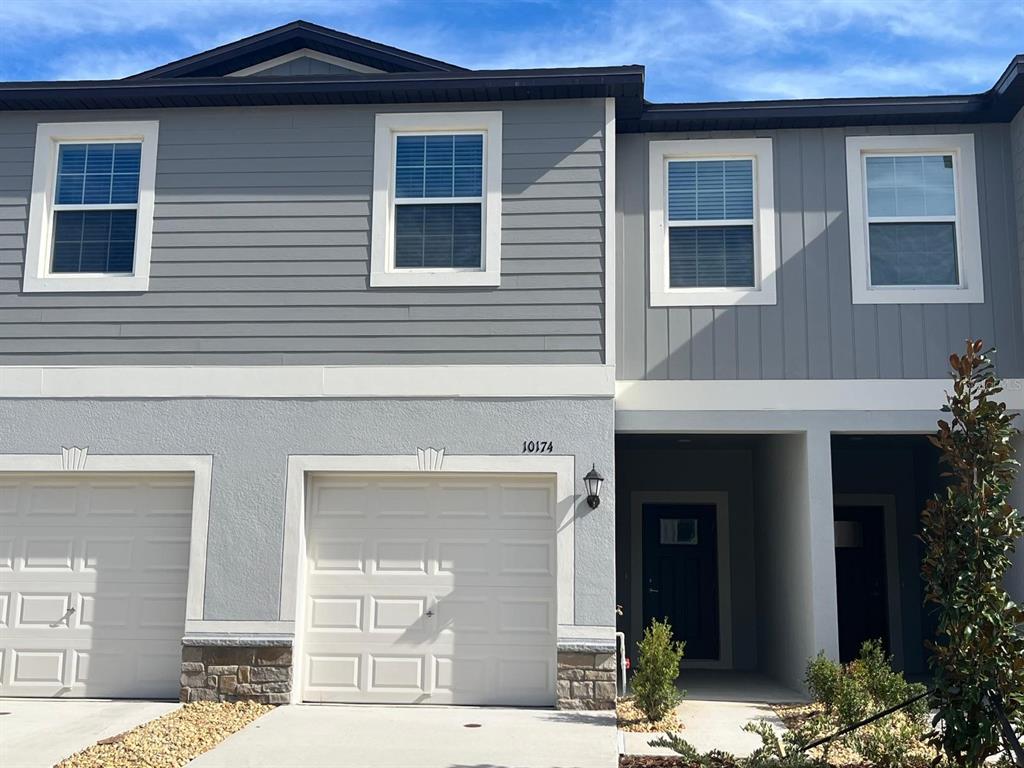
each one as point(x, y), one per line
point(593, 482)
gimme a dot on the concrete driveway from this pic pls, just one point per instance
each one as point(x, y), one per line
point(36, 733)
point(318, 736)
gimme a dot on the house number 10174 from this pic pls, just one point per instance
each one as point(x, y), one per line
point(538, 446)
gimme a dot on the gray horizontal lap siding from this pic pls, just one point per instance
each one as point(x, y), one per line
point(261, 249)
point(815, 331)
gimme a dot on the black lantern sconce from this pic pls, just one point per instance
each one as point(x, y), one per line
point(593, 482)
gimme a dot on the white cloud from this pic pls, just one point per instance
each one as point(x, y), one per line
point(871, 79)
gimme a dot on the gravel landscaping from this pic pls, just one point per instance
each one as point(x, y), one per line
point(632, 719)
point(170, 741)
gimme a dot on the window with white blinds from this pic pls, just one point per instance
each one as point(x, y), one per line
point(913, 209)
point(91, 221)
point(437, 200)
point(712, 222)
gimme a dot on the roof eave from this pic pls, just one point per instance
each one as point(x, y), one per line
point(620, 82)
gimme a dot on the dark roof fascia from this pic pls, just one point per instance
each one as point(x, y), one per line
point(272, 43)
point(999, 104)
point(625, 84)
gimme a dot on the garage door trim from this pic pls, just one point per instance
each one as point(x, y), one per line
point(199, 466)
point(301, 468)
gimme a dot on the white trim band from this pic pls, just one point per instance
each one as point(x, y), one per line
point(795, 395)
point(383, 381)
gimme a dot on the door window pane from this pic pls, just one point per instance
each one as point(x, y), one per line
point(679, 531)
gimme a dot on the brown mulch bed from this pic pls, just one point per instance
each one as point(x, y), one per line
point(171, 741)
point(632, 719)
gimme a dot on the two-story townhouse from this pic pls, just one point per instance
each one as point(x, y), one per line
point(305, 337)
point(312, 349)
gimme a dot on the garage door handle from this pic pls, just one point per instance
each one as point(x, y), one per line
point(64, 618)
point(429, 613)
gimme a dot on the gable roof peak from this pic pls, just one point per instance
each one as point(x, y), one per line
point(288, 38)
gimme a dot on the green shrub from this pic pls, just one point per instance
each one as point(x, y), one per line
point(854, 692)
point(774, 752)
point(889, 742)
point(713, 759)
point(823, 680)
point(654, 682)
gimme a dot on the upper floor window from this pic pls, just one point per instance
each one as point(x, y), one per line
point(913, 206)
point(712, 222)
point(91, 219)
point(437, 200)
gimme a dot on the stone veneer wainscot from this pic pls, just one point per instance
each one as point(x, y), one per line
point(586, 677)
point(236, 669)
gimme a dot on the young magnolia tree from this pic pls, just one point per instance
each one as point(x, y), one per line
point(970, 532)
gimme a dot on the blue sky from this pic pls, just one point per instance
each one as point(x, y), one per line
point(694, 50)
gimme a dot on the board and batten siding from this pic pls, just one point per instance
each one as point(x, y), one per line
point(1017, 142)
point(261, 248)
point(815, 331)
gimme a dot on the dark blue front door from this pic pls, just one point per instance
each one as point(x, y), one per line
point(680, 553)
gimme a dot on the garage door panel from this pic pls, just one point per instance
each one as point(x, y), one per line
point(31, 667)
point(430, 589)
point(408, 556)
point(95, 576)
point(120, 553)
point(397, 614)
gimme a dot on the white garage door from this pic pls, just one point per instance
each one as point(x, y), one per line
point(93, 573)
point(436, 590)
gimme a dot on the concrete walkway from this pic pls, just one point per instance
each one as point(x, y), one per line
point(717, 706)
point(318, 736)
point(710, 725)
point(36, 733)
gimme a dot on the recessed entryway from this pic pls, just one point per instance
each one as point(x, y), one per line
point(880, 486)
point(94, 582)
point(439, 587)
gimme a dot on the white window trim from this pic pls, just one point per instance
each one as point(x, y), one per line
point(971, 289)
point(765, 255)
point(388, 127)
point(38, 248)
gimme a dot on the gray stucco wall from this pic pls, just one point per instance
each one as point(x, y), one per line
point(261, 248)
point(250, 441)
point(815, 331)
point(794, 547)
